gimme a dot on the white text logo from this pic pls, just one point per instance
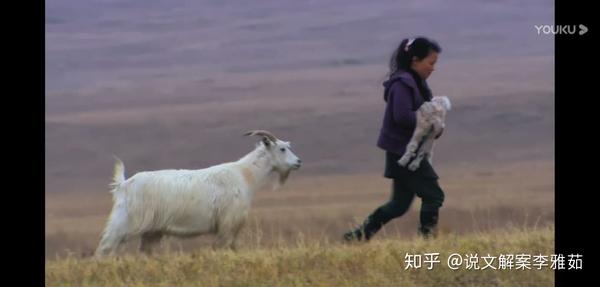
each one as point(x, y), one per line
point(561, 29)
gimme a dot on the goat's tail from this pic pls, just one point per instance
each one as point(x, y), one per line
point(118, 175)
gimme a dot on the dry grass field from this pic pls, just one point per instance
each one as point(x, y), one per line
point(380, 263)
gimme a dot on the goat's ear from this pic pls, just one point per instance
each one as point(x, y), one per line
point(268, 143)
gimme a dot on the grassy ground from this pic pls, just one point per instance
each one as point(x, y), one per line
point(382, 262)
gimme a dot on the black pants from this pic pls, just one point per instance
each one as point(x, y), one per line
point(422, 182)
point(403, 193)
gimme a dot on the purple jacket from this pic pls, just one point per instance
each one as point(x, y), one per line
point(399, 121)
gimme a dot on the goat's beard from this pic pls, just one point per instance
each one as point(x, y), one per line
point(282, 176)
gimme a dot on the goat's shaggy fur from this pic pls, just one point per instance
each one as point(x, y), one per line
point(185, 203)
point(431, 118)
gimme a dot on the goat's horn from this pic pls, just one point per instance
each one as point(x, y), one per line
point(261, 133)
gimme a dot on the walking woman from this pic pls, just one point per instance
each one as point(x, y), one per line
point(405, 90)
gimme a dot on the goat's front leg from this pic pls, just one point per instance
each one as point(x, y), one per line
point(223, 240)
point(236, 244)
point(229, 228)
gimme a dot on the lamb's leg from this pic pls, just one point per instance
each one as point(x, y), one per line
point(148, 241)
point(409, 153)
point(437, 129)
point(411, 149)
point(430, 155)
point(426, 148)
point(423, 151)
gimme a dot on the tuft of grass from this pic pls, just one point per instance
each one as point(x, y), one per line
point(310, 263)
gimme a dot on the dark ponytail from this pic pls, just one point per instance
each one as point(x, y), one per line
point(419, 47)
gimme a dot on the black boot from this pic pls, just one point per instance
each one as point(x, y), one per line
point(370, 226)
point(354, 235)
point(427, 228)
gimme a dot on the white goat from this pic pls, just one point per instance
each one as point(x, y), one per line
point(431, 118)
point(185, 203)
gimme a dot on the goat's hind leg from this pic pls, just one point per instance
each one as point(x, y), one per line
point(148, 241)
point(114, 234)
point(108, 244)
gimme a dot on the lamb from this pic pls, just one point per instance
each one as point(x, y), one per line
point(188, 203)
point(431, 118)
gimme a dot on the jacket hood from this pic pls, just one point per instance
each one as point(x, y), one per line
point(403, 76)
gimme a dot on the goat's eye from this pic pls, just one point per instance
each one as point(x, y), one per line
point(282, 149)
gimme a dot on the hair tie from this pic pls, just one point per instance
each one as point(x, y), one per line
point(410, 41)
